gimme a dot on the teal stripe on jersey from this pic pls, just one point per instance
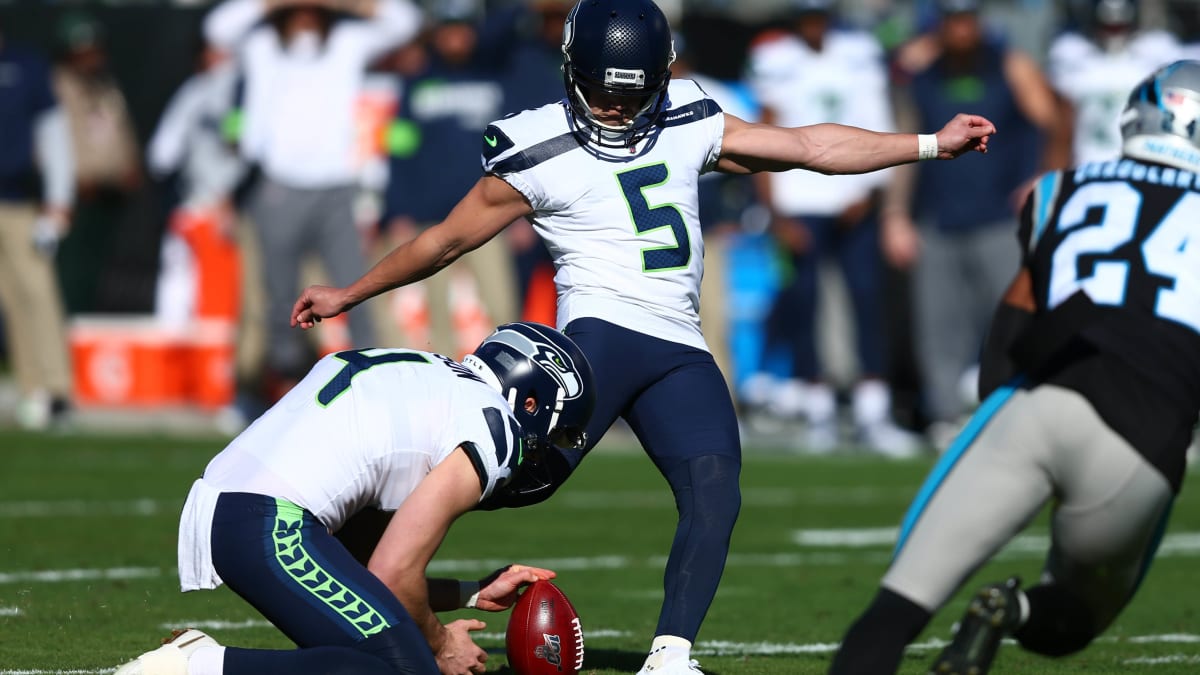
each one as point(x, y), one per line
point(955, 452)
point(1044, 196)
point(300, 566)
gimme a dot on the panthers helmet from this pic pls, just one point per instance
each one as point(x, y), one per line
point(622, 48)
point(523, 361)
point(1161, 121)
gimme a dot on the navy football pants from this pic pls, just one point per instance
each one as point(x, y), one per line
point(283, 561)
point(677, 403)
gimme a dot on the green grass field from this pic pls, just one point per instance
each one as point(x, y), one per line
point(87, 557)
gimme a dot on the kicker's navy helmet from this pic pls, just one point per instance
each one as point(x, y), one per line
point(619, 48)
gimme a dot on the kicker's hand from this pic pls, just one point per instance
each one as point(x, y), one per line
point(498, 590)
point(963, 134)
point(316, 303)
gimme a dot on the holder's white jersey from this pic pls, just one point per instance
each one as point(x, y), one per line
point(364, 427)
point(1097, 83)
point(846, 82)
point(622, 226)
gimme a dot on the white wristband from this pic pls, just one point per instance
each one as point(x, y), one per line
point(468, 593)
point(927, 146)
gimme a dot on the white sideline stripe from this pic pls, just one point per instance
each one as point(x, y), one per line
point(873, 537)
point(761, 496)
point(216, 624)
point(594, 499)
point(52, 576)
point(1162, 660)
point(58, 672)
point(1169, 637)
point(1183, 545)
point(10, 611)
point(85, 508)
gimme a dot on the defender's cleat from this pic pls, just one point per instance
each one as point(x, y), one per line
point(172, 657)
point(994, 612)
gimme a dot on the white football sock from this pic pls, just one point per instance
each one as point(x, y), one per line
point(666, 648)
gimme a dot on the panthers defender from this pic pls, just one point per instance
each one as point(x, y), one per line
point(608, 177)
point(1092, 376)
point(387, 448)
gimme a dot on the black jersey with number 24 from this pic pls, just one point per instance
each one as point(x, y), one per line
point(1126, 234)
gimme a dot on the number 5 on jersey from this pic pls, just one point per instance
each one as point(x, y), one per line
point(647, 218)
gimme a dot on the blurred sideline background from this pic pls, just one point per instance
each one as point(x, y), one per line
point(136, 364)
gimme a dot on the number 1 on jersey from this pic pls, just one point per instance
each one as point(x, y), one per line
point(647, 218)
point(358, 360)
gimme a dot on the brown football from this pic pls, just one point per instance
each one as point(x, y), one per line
point(544, 634)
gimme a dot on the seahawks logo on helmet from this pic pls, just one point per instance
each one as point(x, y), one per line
point(549, 358)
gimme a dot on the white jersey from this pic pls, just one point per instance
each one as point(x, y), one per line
point(622, 226)
point(1097, 83)
point(363, 428)
point(846, 82)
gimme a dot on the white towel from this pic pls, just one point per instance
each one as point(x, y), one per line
point(195, 539)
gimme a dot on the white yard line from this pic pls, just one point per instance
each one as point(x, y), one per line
point(582, 499)
point(707, 647)
point(1163, 660)
point(81, 508)
point(54, 576)
point(100, 671)
point(1177, 543)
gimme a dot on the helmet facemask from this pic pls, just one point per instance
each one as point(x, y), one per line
point(648, 104)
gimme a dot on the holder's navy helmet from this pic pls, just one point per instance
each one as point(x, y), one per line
point(1161, 121)
point(619, 48)
point(525, 360)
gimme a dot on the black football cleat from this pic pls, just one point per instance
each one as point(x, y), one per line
point(994, 612)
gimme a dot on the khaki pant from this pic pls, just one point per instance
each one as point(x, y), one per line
point(714, 312)
point(33, 314)
point(1016, 455)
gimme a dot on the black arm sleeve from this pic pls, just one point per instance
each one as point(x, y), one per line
point(996, 364)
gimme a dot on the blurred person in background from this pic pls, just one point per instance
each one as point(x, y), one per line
point(447, 105)
point(820, 72)
point(608, 175)
point(108, 165)
point(304, 64)
point(1093, 66)
point(199, 283)
point(533, 75)
point(37, 187)
point(953, 224)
